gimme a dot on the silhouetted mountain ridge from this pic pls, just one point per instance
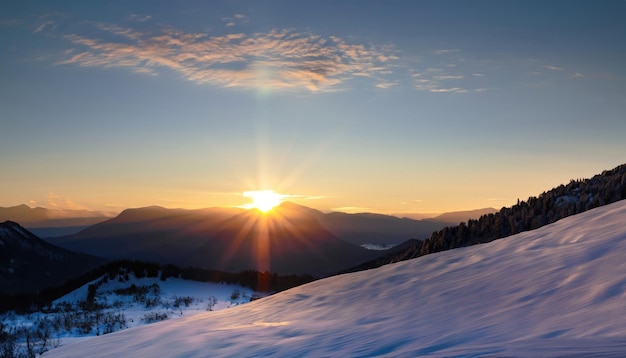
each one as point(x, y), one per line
point(48, 222)
point(227, 239)
point(42, 217)
point(299, 239)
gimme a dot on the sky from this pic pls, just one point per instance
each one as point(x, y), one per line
point(394, 107)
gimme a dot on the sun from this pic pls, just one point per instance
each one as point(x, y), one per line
point(263, 200)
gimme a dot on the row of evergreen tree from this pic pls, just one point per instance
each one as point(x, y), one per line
point(565, 200)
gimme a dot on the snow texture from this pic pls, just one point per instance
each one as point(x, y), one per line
point(555, 291)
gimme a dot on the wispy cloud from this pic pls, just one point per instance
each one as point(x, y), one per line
point(552, 73)
point(386, 85)
point(48, 22)
point(139, 17)
point(449, 71)
point(446, 51)
point(435, 80)
point(449, 90)
point(279, 59)
point(448, 77)
point(553, 68)
point(44, 25)
point(236, 19)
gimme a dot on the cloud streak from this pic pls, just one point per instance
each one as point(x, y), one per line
point(553, 68)
point(277, 60)
point(139, 18)
point(446, 51)
point(449, 71)
point(43, 26)
point(434, 80)
point(237, 19)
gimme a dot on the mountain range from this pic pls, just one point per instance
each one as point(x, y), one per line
point(294, 240)
point(359, 229)
point(50, 222)
point(368, 228)
point(289, 240)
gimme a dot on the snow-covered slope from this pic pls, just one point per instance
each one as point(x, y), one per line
point(118, 301)
point(556, 291)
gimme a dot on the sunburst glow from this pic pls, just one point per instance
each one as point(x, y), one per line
point(263, 200)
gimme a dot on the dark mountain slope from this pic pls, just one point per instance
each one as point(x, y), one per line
point(565, 200)
point(151, 233)
point(29, 264)
point(367, 228)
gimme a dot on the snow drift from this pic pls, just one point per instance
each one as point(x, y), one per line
point(555, 291)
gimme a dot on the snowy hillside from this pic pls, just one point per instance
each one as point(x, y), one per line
point(112, 303)
point(555, 291)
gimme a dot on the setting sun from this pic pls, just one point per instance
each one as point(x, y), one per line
point(263, 200)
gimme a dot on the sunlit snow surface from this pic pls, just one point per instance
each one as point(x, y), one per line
point(556, 291)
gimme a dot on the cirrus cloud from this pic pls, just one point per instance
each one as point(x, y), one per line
point(279, 59)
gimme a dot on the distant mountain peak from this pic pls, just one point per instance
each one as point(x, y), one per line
point(39, 217)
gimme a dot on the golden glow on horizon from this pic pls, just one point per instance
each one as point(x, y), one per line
point(263, 200)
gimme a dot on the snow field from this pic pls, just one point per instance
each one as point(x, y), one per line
point(556, 291)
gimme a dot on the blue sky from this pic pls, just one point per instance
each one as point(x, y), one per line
point(392, 107)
